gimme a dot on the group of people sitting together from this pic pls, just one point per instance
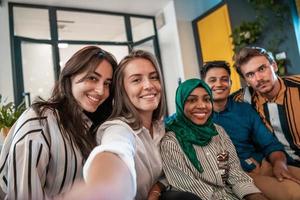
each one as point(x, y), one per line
point(103, 133)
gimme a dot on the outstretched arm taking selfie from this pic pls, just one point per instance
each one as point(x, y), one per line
point(112, 163)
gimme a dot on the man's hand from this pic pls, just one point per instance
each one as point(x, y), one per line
point(281, 172)
point(280, 169)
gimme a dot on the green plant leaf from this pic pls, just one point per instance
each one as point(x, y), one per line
point(9, 113)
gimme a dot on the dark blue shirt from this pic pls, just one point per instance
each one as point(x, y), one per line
point(249, 135)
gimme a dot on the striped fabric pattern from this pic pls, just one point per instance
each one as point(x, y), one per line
point(36, 161)
point(282, 115)
point(183, 176)
point(292, 105)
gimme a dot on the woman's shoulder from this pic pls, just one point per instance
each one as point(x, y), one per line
point(169, 137)
point(114, 127)
point(115, 131)
point(32, 113)
point(221, 131)
point(219, 128)
point(30, 116)
point(116, 123)
point(222, 134)
point(29, 125)
point(170, 143)
point(31, 121)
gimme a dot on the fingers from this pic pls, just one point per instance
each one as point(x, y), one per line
point(278, 176)
point(285, 175)
point(294, 179)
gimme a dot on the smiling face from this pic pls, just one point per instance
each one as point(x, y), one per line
point(260, 74)
point(198, 106)
point(218, 80)
point(91, 89)
point(142, 85)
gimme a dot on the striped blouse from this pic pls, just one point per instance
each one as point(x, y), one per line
point(36, 161)
point(281, 115)
point(183, 176)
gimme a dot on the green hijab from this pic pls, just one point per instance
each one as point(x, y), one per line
point(188, 133)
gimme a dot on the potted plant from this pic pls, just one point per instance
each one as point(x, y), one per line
point(245, 34)
point(9, 113)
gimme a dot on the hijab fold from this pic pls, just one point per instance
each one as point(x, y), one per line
point(187, 132)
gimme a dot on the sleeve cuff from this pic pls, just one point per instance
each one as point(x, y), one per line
point(244, 189)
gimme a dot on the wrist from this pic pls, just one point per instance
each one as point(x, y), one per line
point(154, 195)
point(279, 163)
point(276, 157)
point(161, 186)
point(155, 192)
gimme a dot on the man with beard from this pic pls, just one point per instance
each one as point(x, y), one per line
point(276, 99)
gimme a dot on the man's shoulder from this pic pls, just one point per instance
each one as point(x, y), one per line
point(240, 107)
point(238, 95)
point(240, 104)
point(243, 95)
point(292, 81)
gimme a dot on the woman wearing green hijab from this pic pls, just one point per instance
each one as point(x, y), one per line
point(197, 154)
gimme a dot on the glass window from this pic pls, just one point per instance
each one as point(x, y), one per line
point(75, 29)
point(38, 73)
point(141, 28)
point(31, 22)
point(118, 51)
point(90, 26)
point(66, 51)
point(146, 46)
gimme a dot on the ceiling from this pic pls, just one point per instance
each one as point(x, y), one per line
point(143, 7)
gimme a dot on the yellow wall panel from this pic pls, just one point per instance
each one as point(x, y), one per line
point(214, 35)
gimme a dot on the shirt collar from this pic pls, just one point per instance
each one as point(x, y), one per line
point(158, 128)
point(229, 104)
point(158, 131)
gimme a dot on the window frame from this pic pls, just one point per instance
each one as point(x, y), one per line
point(16, 58)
